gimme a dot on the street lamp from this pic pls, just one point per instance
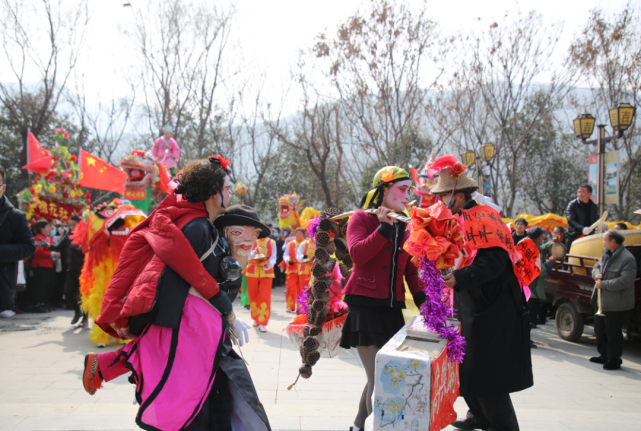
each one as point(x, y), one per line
point(469, 157)
point(621, 117)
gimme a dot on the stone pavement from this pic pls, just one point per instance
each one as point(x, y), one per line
point(42, 356)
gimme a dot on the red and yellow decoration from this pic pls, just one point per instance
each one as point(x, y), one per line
point(55, 193)
point(435, 235)
point(102, 241)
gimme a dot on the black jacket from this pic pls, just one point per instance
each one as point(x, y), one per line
point(580, 215)
point(72, 258)
point(16, 243)
point(496, 326)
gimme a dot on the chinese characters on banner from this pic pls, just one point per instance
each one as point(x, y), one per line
point(51, 210)
point(528, 267)
point(484, 228)
point(445, 391)
point(136, 194)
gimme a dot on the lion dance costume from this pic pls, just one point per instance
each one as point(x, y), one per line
point(145, 177)
point(289, 206)
point(102, 234)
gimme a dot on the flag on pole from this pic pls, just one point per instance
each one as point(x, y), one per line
point(38, 159)
point(95, 173)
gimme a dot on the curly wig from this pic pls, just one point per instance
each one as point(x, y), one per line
point(201, 179)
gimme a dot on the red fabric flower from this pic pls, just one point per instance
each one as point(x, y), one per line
point(74, 158)
point(66, 135)
point(223, 163)
point(387, 176)
point(435, 234)
point(88, 196)
point(457, 169)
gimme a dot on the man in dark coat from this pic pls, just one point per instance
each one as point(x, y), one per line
point(16, 244)
point(581, 213)
point(495, 324)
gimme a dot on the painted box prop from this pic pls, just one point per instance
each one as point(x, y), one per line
point(417, 384)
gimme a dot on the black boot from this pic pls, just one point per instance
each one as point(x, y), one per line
point(471, 423)
point(76, 317)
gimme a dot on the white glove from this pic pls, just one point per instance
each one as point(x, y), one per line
point(586, 231)
point(239, 333)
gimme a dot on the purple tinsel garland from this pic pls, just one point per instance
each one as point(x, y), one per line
point(312, 227)
point(435, 310)
point(303, 301)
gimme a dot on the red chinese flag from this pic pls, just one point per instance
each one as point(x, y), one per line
point(38, 159)
point(98, 174)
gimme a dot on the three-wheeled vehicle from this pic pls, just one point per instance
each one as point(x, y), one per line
point(569, 286)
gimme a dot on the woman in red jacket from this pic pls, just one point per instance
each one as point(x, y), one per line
point(42, 265)
point(375, 291)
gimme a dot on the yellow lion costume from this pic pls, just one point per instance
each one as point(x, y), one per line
point(102, 235)
point(288, 207)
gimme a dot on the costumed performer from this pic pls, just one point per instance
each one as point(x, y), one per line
point(375, 291)
point(259, 271)
point(166, 150)
point(292, 269)
point(491, 307)
point(42, 264)
point(304, 257)
point(424, 180)
point(172, 272)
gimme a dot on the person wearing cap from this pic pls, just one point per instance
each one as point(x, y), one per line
point(167, 295)
point(614, 275)
point(492, 310)
point(519, 232)
point(166, 150)
point(375, 291)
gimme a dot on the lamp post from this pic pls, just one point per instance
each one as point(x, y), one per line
point(621, 117)
point(469, 157)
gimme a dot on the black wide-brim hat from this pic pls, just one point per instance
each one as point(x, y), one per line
point(241, 215)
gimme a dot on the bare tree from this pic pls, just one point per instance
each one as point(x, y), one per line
point(181, 45)
point(491, 90)
point(378, 63)
point(316, 133)
point(608, 53)
point(42, 38)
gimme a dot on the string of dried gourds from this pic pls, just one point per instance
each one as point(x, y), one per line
point(330, 240)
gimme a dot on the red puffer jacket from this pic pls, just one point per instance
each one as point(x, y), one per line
point(42, 256)
point(154, 243)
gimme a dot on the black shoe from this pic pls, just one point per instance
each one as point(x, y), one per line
point(598, 360)
point(470, 423)
point(76, 318)
point(85, 322)
point(611, 366)
point(532, 325)
point(542, 321)
point(532, 345)
point(40, 309)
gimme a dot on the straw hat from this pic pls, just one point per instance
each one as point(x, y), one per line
point(448, 182)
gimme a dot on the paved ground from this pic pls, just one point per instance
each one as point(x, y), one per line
point(41, 365)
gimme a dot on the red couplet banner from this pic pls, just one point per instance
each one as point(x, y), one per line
point(483, 228)
point(445, 391)
point(52, 210)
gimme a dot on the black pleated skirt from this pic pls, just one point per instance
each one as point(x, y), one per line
point(371, 326)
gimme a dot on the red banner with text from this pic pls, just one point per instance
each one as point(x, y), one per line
point(50, 210)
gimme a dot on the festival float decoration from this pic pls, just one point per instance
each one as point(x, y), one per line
point(55, 192)
point(102, 234)
point(145, 178)
point(289, 206)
